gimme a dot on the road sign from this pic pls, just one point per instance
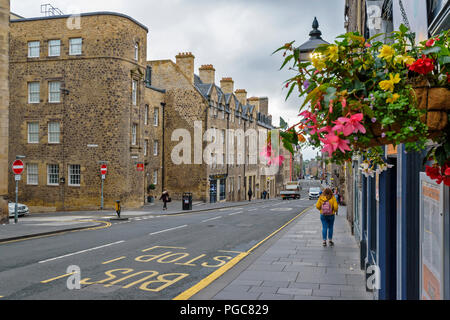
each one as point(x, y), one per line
point(18, 177)
point(103, 169)
point(140, 167)
point(17, 167)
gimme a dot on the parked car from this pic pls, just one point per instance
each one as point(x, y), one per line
point(22, 209)
point(314, 193)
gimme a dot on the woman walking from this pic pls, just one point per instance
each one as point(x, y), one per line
point(165, 198)
point(328, 207)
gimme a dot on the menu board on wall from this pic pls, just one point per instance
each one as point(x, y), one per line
point(431, 239)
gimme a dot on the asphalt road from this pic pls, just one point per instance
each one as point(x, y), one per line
point(151, 258)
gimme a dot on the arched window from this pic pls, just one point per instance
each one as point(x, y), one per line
point(136, 51)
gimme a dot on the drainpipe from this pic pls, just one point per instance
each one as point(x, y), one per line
point(163, 171)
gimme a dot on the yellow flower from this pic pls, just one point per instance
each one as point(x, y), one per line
point(394, 98)
point(386, 52)
point(318, 61)
point(407, 60)
point(390, 84)
point(332, 53)
point(398, 59)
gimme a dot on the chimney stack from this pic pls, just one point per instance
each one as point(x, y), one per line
point(241, 95)
point(207, 73)
point(227, 85)
point(254, 101)
point(264, 105)
point(185, 60)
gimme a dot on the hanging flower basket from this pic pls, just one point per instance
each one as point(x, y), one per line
point(358, 93)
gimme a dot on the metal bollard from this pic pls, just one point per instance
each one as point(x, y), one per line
point(118, 208)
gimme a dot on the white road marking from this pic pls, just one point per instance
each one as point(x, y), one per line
point(83, 251)
point(151, 234)
point(212, 219)
point(234, 213)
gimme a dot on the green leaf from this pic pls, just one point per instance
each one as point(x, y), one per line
point(330, 95)
point(288, 58)
point(403, 28)
point(282, 48)
point(283, 124)
point(291, 89)
point(288, 146)
point(444, 60)
point(375, 36)
point(441, 156)
point(432, 50)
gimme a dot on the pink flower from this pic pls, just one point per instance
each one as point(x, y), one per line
point(333, 142)
point(350, 125)
point(277, 161)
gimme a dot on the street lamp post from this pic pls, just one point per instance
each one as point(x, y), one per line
point(315, 40)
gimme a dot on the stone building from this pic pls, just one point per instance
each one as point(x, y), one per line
point(208, 114)
point(83, 94)
point(4, 105)
point(78, 98)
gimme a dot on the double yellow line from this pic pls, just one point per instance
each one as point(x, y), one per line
point(219, 272)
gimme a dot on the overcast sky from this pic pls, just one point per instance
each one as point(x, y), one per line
point(236, 36)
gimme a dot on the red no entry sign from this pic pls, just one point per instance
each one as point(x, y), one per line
point(17, 167)
point(140, 167)
point(103, 169)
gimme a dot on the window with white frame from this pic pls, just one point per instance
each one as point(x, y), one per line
point(53, 174)
point(54, 48)
point(74, 175)
point(75, 46)
point(34, 49)
point(155, 177)
point(33, 132)
point(34, 92)
point(146, 114)
point(134, 134)
point(134, 94)
point(145, 147)
point(53, 132)
point(136, 51)
point(156, 117)
point(32, 174)
point(54, 92)
point(155, 147)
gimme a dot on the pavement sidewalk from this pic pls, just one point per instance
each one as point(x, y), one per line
point(294, 266)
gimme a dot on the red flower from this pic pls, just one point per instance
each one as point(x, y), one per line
point(430, 43)
point(423, 66)
point(433, 172)
point(448, 78)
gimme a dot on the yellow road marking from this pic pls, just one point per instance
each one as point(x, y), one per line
point(106, 225)
point(114, 260)
point(209, 279)
point(219, 272)
point(59, 277)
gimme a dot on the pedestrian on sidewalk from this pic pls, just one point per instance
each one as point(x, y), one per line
point(250, 193)
point(165, 198)
point(328, 207)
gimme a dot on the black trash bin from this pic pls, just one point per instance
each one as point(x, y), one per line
point(187, 201)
